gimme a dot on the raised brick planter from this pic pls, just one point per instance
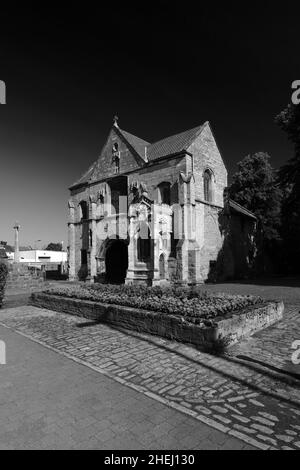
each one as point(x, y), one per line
point(234, 327)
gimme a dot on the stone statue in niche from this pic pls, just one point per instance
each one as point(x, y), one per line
point(144, 189)
point(139, 190)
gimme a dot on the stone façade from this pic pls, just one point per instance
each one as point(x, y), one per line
point(158, 213)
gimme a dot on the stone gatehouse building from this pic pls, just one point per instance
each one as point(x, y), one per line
point(158, 213)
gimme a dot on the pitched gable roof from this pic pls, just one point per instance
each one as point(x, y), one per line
point(136, 143)
point(86, 176)
point(150, 152)
point(173, 144)
point(164, 147)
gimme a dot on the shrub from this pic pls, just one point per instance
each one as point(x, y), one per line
point(3, 277)
point(195, 307)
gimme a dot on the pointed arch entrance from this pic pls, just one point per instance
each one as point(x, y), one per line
point(116, 262)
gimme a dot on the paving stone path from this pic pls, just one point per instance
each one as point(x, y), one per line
point(273, 346)
point(48, 401)
point(224, 395)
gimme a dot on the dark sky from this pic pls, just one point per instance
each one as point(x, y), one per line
point(163, 67)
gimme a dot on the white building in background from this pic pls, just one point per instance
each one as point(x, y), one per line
point(42, 256)
point(10, 255)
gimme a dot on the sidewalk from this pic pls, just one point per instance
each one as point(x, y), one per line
point(48, 401)
point(212, 390)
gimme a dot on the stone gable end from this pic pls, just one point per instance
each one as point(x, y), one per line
point(129, 160)
point(207, 156)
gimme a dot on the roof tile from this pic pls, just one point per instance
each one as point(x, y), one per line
point(162, 148)
point(136, 143)
point(173, 144)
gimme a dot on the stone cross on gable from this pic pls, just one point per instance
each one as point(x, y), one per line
point(116, 119)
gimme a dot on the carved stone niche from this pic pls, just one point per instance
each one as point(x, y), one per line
point(139, 190)
point(186, 188)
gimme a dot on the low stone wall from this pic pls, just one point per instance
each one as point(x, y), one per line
point(234, 327)
point(23, 277)
point(242, 325)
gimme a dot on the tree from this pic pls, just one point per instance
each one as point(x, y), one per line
point(54, 247)
point(255, 186)
point(289, 176)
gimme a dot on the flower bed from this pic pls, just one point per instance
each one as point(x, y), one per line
point(194, 306)
point(210, 335)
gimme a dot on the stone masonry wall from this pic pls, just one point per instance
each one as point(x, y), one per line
point(129, 161)
point(163, 171)
point(233, 327)
point(207, 156)
point(209, 233)
point(22, 277)
point(213, 240)
point(152, 175)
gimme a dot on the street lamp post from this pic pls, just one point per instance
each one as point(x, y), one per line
point(17, 248)
point(35, 243)
point(62, 258)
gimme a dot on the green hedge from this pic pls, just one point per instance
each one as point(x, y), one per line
point(3, 277)
point(194, 306)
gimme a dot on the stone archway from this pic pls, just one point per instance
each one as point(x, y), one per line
point(162, 270)
point(116, 262)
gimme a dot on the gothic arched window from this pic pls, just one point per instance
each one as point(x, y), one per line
point(164, 192)
point(207, 184)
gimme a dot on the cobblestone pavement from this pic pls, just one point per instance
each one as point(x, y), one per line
point(224, 395)
point(273, 346)
point(48, 401)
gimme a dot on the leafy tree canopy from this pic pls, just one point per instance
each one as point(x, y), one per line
point(289, 176)
point(255, 186)
point(289, 121)
point(9, 249)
